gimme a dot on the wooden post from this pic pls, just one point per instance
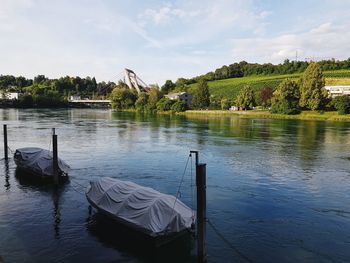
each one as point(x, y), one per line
point(201, 211)
point(54, 156)
point(5, 143)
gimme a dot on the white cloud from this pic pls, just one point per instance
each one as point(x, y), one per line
point(326, 40)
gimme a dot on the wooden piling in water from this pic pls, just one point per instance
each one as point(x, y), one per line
point(201, 211)
point(54, 156)
point(201, 208)
point(5, 142)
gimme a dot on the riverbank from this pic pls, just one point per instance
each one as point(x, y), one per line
point(305, 115)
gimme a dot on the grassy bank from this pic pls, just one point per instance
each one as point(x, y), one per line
point(305, 115)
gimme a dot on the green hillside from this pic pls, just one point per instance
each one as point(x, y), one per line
point(229, 88)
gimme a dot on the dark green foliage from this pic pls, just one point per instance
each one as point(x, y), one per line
point(201, 96)
point(123, 98)
point(179, 106)
point(154, 97)
point(225, 104)
point(245, 98)
point(313, 95)
point(164, 104)
point(141, 101)
point(285, 99)
point(168, 86)
point(265, 97)
point(342, 104)
point(25, 101)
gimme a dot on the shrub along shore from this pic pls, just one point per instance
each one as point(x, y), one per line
point(304, 115)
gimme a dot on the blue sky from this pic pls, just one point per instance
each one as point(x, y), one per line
point(162, 40)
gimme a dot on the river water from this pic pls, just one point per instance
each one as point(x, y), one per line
point(277, 190)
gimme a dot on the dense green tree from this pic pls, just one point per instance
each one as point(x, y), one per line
point(154, 96)
point(179, 106)
point(285, 99)
point(141, 101)
point(342, 104)
point(313, 95)
point(245, 98)
point(168, 86)
point(164, 104)
point(266, 96)
point(201, 96)
point(225, 104)
point(123, 98)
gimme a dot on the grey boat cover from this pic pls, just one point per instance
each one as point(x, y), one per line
point(142, 208)
point(38, 161)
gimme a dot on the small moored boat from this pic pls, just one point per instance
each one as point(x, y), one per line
point(141, 208)
point(39, 162)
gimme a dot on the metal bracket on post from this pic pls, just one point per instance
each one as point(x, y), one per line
point(201, 208)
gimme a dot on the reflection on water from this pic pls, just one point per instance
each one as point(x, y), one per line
point(277, 190)
point(30, 181)
point(115, 235)
point(7, 184)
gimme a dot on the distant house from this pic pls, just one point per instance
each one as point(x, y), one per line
point(11, 95)
point(335, 91)
point(74, 97)
point(183, 96)
point(235, 108)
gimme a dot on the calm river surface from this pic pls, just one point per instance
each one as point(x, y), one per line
point(277, 190)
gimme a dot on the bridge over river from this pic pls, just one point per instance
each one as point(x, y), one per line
point(90, 103)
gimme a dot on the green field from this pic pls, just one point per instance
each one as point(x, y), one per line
point(229, 88)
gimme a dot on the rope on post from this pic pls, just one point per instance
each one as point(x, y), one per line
point(228, 243)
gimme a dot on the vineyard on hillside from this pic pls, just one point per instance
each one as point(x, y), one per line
point(229, 88)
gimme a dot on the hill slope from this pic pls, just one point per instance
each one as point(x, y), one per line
point(229, 88)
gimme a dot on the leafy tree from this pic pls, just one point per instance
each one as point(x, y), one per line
point(245, 98)
point(179, 106)
point(168, 86)
point(266, 96)
point(141, 101)
point(164, 104)
point(154, 97)
point(285, 99)
point(201, 96)
point(225, 104)
point(313, 95)
point(342, 104)
point(123, 98)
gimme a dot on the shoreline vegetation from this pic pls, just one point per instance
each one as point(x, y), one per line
point(259, 114)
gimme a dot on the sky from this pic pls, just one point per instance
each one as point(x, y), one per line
point(163, 40)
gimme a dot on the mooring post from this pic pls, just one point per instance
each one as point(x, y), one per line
point(5, 143)
point(54, 156)
point(201, 208)
point(201, 211)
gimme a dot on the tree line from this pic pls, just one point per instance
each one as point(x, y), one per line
point(44, 92)
point(244, 69)
point(291, 97)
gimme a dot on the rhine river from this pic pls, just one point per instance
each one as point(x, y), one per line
point(277, 190)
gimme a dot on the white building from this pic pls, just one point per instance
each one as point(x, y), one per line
point(74, 97)
point(335, 91)
point(11, 95)
point(183, 96)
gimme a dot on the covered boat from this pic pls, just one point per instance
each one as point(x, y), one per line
point(39, 161)
point(141, 208)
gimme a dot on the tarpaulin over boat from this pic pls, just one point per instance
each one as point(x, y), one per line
point(142, 208)
point(38, 161)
